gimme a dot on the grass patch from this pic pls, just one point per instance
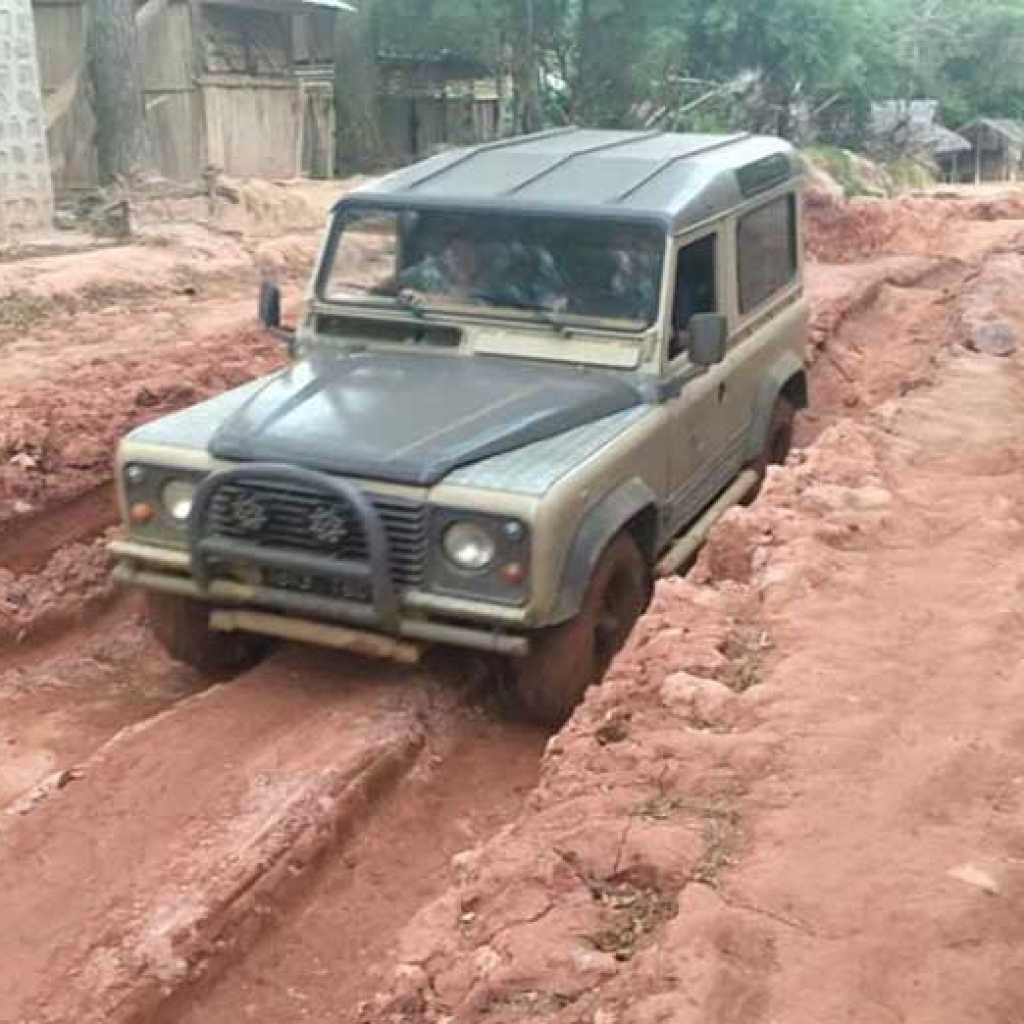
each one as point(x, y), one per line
point(910, 175)
point(20, 311)
point(856, 174)
point(99, 295)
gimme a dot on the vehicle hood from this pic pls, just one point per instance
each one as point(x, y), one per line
point(412, 419)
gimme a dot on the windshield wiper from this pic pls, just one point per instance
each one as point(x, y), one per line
point(541, 313)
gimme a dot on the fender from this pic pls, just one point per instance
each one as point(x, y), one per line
point(600, 524)
point(786, 369)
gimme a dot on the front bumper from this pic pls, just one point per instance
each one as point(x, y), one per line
point(491, 628)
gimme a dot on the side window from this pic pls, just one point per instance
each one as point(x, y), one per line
point(695, 289)
point(766, 251)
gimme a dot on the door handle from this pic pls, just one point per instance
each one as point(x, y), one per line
point(721, 392)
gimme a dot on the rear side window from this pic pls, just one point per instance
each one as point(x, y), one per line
point(766, 243)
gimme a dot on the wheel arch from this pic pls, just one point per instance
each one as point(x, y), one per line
point(631, 506)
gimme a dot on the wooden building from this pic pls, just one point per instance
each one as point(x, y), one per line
point(247, 86)
point(221, 86)
point(426, 103)
point(997, 150)
point(911, 128)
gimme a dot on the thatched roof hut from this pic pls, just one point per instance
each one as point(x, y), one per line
point(997, 145)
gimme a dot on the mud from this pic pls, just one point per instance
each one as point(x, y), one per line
point(796, 797)
point(186, 842)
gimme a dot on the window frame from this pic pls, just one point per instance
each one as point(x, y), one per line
point(714, 232)
point(789, 198)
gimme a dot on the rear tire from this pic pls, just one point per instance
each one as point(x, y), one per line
point(182, 625)
point(566, 660)
point(777, 443)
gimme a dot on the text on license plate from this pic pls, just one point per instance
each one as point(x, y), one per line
point(324, 586)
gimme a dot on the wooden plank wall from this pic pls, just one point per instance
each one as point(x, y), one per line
point(252, 125)
point(414, 127)
point(172, 106)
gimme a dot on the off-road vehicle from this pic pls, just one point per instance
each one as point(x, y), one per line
point(528, 377)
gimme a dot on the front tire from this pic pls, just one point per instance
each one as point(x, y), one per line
point(182, 625)
point(567, 659)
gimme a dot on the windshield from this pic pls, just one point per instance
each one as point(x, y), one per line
point(563, 267)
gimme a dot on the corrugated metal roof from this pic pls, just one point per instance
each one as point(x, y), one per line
point(681, 177)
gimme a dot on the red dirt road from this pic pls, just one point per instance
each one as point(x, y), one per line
point(798, 796)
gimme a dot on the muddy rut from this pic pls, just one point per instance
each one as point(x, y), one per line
point(259, 849)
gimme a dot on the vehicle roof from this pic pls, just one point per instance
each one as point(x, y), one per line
point(674, 178)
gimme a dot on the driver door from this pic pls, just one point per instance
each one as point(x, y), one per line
point(698, 396)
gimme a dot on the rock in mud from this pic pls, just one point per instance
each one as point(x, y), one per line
point(992, 338)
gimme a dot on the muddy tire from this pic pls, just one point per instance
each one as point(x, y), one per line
point(777, 443)
point(182, 627)
point(779, 439)
point(567, 659)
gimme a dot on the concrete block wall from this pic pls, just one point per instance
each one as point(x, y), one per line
point(26, 189)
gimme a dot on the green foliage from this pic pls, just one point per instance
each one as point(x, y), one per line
point(856, 176)
point(714, 64)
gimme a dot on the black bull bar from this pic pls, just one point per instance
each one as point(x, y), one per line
point(205, 549)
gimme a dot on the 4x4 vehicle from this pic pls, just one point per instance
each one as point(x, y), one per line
point(528, 377)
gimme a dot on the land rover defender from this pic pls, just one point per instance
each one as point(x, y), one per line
point(527, 379)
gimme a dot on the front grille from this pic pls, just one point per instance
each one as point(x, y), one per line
point(305, 520)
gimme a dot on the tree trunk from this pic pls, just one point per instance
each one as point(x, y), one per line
point(122, 146)
point(529, 116)
point(604, 92)
point(358, 142)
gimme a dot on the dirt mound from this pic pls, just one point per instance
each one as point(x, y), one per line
point(840, 230)
point(58, 437)
point(635, 816)
point(251, 207)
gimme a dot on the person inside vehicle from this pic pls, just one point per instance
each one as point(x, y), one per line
point(634, 279)
point(497, 273)
point(453, 270)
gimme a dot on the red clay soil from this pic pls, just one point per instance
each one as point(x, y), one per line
point(166, 850)
point(799, 795)
point(331, 949)
point(796, 798)
point(840, 231)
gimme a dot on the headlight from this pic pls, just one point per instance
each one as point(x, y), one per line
point(469, 546)
point(177, 498)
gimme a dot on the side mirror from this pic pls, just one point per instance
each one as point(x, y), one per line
point(709, 334)
point(270, 305)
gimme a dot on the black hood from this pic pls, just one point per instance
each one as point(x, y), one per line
point(412, 419)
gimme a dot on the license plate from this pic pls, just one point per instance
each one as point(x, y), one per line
point(322, 586)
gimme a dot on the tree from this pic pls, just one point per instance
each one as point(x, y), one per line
point(723, 65)
point(358, 143)
point(122, 144)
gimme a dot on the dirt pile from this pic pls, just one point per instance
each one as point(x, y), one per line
point(251, 207)
point(667, 869)
point(840, 230)
point(990, 306)
point(592, 895)
point(58, 437)
point(74, 582)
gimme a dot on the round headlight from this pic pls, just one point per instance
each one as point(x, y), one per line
point(134, 473)
point(469, 546)
point(177, 498)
